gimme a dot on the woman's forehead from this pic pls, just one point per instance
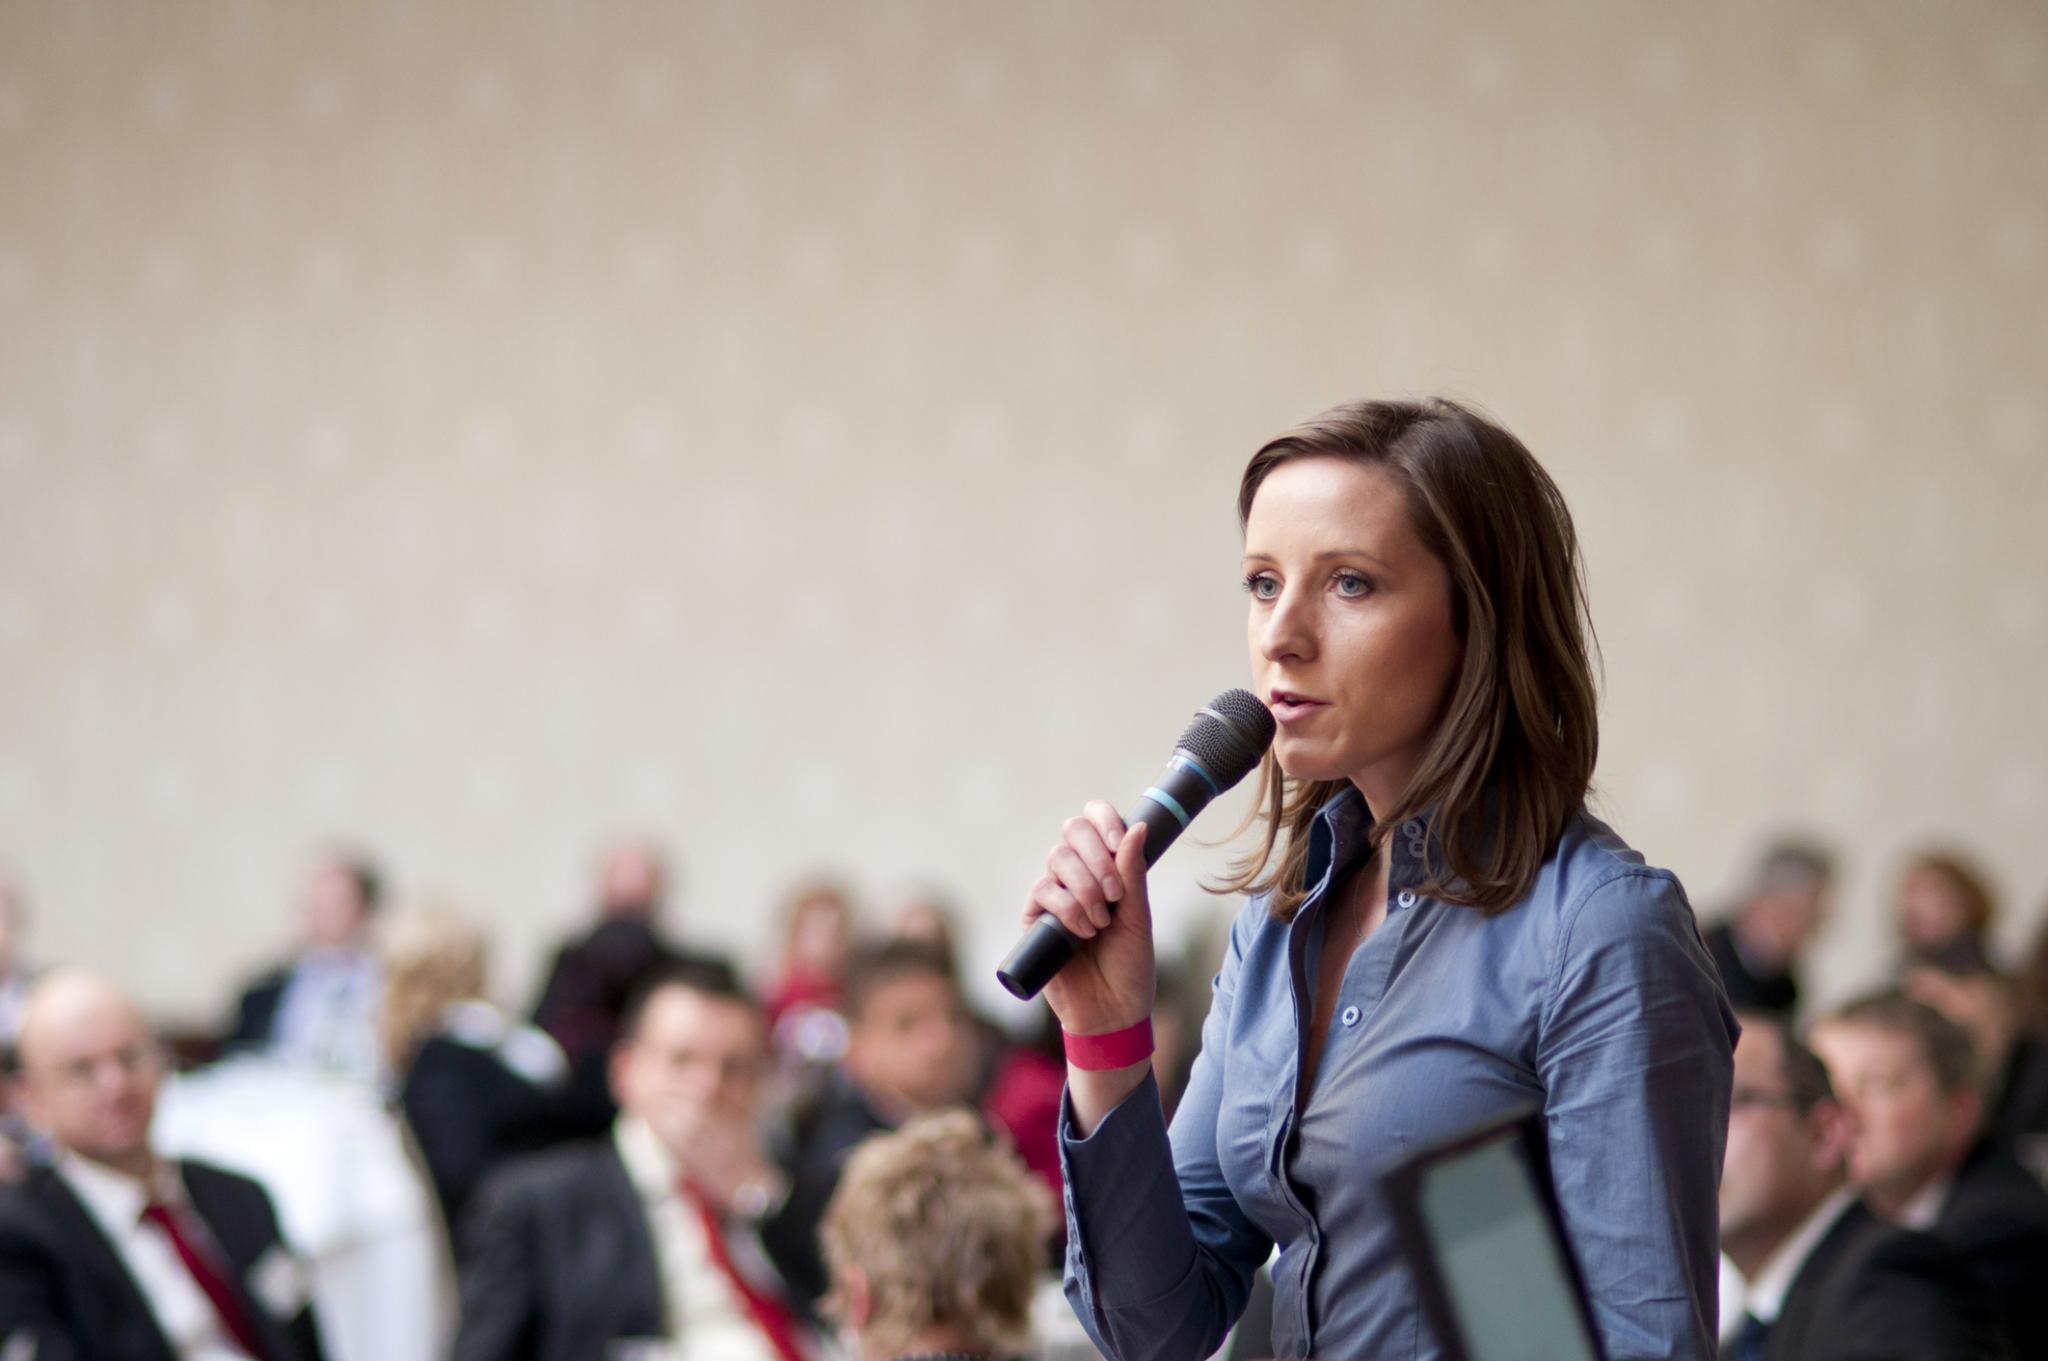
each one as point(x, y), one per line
point(1324, 505)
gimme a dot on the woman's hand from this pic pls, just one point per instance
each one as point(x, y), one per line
point(1094, 883)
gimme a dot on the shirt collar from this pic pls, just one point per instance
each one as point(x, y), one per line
point(1764, 1297)
point(1338, 838)
point(116, 1199)
point(649, 1166)
point(1925, 1207)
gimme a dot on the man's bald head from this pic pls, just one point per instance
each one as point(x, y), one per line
point(89, 1068)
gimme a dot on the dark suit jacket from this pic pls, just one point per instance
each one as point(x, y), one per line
point(1774, 993)
point(558, 1260)
point(1996, 1219)
point(256, 1013)
point(1870, 1292)
point(825, 1132)
point(469, 1112)
point(64, 1285)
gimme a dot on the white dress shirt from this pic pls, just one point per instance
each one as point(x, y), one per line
point(709, 1319)
point(1764, 1297)
point(1923, 1211)
point(116, 1201)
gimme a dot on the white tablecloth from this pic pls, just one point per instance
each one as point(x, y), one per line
point(347, 1194)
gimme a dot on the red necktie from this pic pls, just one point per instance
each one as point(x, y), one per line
point(211, 1280)
point(771, 1315)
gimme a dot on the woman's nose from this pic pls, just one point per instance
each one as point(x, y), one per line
point(1289, 633)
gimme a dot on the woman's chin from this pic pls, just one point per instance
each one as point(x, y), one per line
point(1306, 767)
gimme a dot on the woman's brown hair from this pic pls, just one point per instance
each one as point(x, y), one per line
point(1512, 756)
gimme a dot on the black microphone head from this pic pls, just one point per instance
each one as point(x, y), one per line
point(1228, 736)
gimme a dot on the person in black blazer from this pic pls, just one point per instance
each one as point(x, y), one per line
point(112, 1252)
point(1756, 946)
point(1824, 1278)
point(674, 1227)
point(1920, 1158)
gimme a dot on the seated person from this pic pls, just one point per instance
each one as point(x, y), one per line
point(1943, 903)
point(14, 984)
point(911, 1048)
point(934, 1241)
point(2012, 1065)
point(1917, 1153)
point(670, 1230)
point(15, 975)
point(113, 1252)
point(475, 1085)
point(320, 1010)
point(1822, 1277)
point(1757, 945)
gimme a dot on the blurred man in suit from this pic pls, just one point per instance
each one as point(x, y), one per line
point(670, 1230)
point(320, 1010)
point(113, 1251)
point(911, 1049)
point(1823, 1277)
point(1757, 945)
point(1918, 1155)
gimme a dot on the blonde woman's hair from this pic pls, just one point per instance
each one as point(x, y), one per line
point(949, 1231)
point(433, 956)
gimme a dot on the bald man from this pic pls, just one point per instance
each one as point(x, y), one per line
point(112, 1251)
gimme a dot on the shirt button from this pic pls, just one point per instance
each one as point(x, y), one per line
point(1412, 827)
point(1417, 849)
point(1350, 1016)
point(1407, 899)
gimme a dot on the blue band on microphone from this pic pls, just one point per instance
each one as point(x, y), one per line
point(1169, 803)
point(1187, 762)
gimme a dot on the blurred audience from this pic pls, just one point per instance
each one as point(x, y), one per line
point(15, 974)
point(1758, 944)
point(672, 1231)
point(910, 1049)
point(474, 1084)
point(2012, 1065)
point(15, 977)
point(594, 973)
point(1944, 903)
point(805, 995)
point(933, 1243)
point(1822, 1276)
point(1918, 1154)
point(113, 1251)
point(320, 1009)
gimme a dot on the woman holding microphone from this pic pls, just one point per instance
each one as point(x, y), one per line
point(1437, 931)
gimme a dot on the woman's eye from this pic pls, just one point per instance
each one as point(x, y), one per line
point(1350, 585)
point(1262, 586)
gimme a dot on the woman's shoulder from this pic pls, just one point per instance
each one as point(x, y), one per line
point(1596, 889)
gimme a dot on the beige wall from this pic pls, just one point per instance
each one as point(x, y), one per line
point(810, 431)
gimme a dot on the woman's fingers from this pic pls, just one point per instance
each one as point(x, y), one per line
point(1049, 899)
point(1096, 854)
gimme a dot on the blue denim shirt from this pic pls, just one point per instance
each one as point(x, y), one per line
point(1593, 996)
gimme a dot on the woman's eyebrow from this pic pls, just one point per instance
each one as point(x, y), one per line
point(1369, 556)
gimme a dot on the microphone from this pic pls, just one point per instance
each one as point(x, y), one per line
point(1220, 747)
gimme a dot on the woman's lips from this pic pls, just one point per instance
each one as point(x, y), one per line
point(1289, 707)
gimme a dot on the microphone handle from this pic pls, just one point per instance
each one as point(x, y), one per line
point(1047, 946)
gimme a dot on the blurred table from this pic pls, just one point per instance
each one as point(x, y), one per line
point(348, 1195)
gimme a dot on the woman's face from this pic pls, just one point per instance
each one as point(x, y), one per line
point(1931, 908)
point(1350, 625)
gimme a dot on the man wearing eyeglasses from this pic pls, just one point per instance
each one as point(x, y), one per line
point(112, 1251)
point(1824, 1279)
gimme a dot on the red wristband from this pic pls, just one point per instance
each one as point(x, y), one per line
point(1117, 1049)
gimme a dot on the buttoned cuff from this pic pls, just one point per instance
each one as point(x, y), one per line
point(1122, 1201)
